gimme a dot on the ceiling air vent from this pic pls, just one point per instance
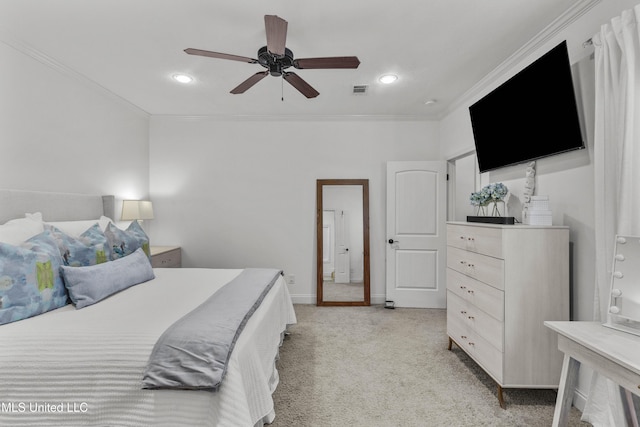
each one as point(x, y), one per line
point(359, 89)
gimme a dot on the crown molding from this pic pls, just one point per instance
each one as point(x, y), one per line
point(549, 32)
point(293, 117)
point(57, 66)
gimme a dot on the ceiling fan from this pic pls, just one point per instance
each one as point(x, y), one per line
point(276, 58)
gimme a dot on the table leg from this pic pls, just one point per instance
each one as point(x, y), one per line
point(568, 380)
point(501, 398)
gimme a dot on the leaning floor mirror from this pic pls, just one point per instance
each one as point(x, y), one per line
point(342, 219)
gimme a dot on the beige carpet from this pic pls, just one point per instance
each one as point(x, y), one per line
point(371, 366)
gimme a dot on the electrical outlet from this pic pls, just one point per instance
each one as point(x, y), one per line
point(291, 279)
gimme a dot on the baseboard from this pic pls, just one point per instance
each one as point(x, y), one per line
point(579, 400)
point(303, 298)
point(311, 299)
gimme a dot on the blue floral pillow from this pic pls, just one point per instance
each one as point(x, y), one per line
point(30, 281)
point(125, 242)
point(94, 236)
point(81, 252)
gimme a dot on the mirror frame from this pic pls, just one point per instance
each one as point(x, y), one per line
point(320, 183)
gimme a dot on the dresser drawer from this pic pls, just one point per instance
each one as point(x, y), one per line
point(457, 329)
point(482, 240)
point(166, 258)
point(480, 267)
point(485, 297)
point(489, 328)
point(487, 356)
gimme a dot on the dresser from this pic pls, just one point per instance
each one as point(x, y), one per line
point(166, 257)
point(503, 283)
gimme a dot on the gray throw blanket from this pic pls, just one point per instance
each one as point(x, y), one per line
point(193, 353)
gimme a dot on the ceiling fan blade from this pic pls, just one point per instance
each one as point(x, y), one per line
point(331, 62)
point(210, 54)
point(276, 28)
point(301, 85)
point(247, 84)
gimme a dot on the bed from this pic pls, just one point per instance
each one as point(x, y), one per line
point(85, 367)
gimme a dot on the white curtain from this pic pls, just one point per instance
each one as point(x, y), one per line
point(617, 176)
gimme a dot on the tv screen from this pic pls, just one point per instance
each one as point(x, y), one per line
point(532, 115)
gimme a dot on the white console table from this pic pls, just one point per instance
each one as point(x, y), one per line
point(612, 353)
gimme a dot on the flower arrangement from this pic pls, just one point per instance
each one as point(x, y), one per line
point(492, 193)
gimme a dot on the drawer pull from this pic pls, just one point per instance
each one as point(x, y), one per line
point(471, 238)
point(463, 287)
point(472, 344)
point(470, 292)
point(464, 337)
point(462, 237)
point(463, 312)
point(471, 317)
point(463, 262)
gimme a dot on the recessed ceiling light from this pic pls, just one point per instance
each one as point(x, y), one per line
point(388, 78)
point(182, 78)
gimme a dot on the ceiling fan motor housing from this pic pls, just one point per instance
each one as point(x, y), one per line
point(275, 63)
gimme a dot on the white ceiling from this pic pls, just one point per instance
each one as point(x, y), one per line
point(438, 48)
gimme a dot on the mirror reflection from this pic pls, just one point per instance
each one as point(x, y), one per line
point(343, 252)
point(624, 304)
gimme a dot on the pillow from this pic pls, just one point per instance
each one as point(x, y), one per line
point(36, 216)
point(88, 285)
point(94, 236)
point(125, 242)
point(83, 251)
point(30, 282)
point(76, 228)
point(19, 230)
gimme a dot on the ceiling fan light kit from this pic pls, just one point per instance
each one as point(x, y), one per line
point(276, 58)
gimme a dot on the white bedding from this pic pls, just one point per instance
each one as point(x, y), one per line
point(89, 363)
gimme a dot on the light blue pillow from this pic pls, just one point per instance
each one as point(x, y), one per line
point(125, 242)
point(79, 252)
point(30, 282)
point(88, 285)
point(94, 236)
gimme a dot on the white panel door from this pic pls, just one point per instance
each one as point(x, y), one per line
point(343, 265)
point(328, 244)
point(416, 233)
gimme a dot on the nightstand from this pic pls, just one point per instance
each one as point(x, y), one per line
point(166, 256)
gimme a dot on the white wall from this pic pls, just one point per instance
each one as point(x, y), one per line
point(60, 133)
point(241, 193)
point(566, 178)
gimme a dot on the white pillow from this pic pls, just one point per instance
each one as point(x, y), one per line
point(76, 228)
point(36, 216)
point(19, 230)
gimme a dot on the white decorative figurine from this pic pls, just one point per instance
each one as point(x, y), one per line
point(530, 181)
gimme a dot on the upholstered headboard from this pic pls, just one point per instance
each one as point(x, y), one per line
point(54, 206)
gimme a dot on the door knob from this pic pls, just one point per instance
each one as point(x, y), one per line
point(391, 241)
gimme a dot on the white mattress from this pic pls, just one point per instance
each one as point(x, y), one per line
point(89, 363)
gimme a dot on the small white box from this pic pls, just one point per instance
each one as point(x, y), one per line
point(539, 203)
point(537, 217)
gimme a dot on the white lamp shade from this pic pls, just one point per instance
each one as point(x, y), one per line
point(136, 209)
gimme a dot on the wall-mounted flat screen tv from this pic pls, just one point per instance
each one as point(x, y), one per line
point(530, 116)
